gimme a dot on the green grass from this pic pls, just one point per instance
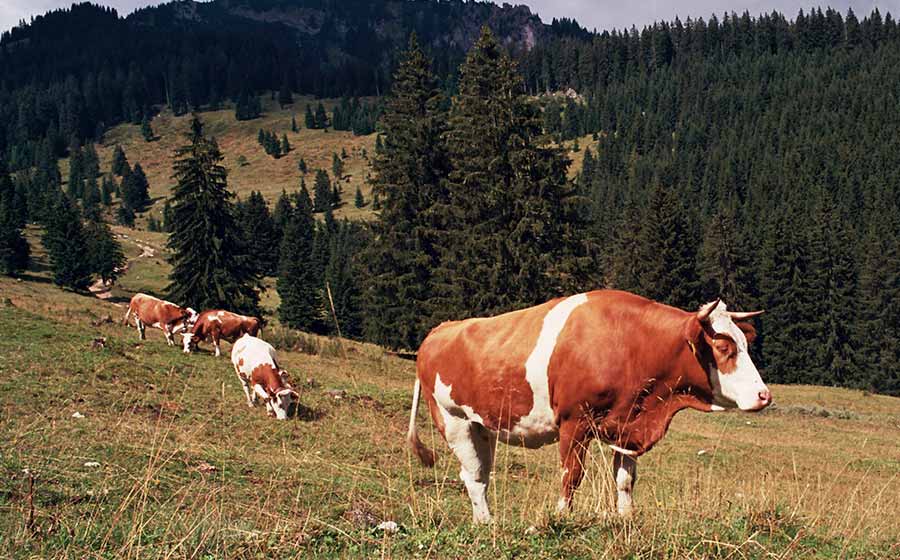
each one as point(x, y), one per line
point(187, 470)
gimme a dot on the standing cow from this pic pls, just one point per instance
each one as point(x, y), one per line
point(163, 315)
point(217, 324)
point(256, 365)
point(605, 364)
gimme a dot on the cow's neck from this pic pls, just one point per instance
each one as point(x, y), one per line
point(684, 384)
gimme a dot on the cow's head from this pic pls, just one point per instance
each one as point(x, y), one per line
point(734, 378)
point(281, 402)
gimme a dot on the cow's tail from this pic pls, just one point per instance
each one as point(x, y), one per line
point(427, 456)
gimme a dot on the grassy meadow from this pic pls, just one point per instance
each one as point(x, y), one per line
point(130, 449)
point(261, 172)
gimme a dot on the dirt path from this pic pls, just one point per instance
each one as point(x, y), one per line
point(103, 291)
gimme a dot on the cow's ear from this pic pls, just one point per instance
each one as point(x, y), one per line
point(748, 330)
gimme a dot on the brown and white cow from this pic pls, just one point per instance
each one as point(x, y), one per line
point(217, 324)
point(256, 365)
point(164, 315)
point(605, 364)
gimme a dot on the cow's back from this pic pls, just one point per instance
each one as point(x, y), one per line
point(249, 352)
point(480, 363)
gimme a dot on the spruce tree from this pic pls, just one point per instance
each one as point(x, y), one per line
point(358, 200)
point(726, 263)
point(337, 167)
point(119, 162)
point(104, 253)
point(66, 245)
point(107, 188)
point(322, 193)
point(298, 280)
point(147, 130)
point(125, 216)
point(75, 187)
point(135, 189)
point(342, 276)
point(294, 124)
point(14, 249)
point(211, 267)
point(321, 116)
point(309, 119)
point(261, 234)
point(512, 238)
point(285, 145)
point(668, 252)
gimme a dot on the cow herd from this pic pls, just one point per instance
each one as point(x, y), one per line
point(604, 365)
point(254, 359)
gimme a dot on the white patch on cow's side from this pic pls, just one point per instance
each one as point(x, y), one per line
point(442, 396)
point(742, 386)
point(539, 427)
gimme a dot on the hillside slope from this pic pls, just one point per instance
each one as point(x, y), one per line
point(165, 460)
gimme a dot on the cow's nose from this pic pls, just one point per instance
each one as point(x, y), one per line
point(765, 396)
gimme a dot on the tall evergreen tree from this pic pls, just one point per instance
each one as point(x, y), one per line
point(211, 267)
point(512, 237)
point(14, 249)
point(322, 194)
point(667, 251)
point(309, 118)
point(260, 232)
point(147, 130)
point(321, 116)
point(66, 245)
point(104, 253)
point(298, 280)
point(136, 189)
point(119, 162)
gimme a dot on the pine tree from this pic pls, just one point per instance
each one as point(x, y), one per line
point(298, 280)
point(337, 167)
point(125, 216)
point(260, 232)
point(358, 200)
point(92, 197)
point(104, 253)
point(301, 166)
point(75, 188)
point(147, 130)
point(725, 263)
point(120, 165)
point(66, 246)
point(321, 116)
point(294, 127)
point(136, 189)
point(668, 252)
point(322, 193)
point(211, 267)
point(107, 188)
point(513, 238)
point(14, 249)
point(285, 145)
point(309, 119)
point(342, 277)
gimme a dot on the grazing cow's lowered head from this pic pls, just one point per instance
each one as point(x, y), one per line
point(256, 365)
point(734, 379)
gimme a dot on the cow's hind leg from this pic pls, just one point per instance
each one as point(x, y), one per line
point(167, 330)
point(140, 329)
point(473, 445)
point(574, 438)
point(625, 474)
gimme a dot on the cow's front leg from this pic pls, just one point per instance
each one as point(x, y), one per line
point(216, 344)
point(167, 330)
point(625, 474)
point(574, 438)
point(140, 329)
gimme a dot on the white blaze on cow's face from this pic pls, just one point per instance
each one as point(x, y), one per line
point(735, 380)
point(281, 403)
point(186, 339)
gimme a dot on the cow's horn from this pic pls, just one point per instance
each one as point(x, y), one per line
point(741, 315)
point(704, 312)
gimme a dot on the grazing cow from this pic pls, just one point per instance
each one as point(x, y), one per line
point(148, 310)
point(218, 324)
point(256, 365)
point(605, 364)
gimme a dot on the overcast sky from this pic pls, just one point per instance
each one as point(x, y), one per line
point(599, 14)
